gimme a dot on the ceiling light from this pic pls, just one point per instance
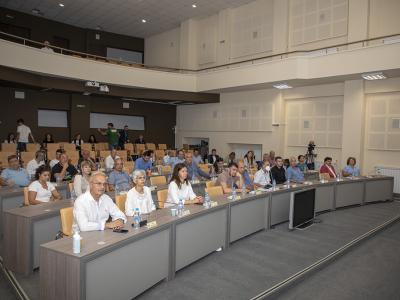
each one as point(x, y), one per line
point(10, 16)
point(282, 86)
point(144, 21)
point(98, 27)
point(373, 76)
point(194, 5)
point(61, 4)
point(35, 11)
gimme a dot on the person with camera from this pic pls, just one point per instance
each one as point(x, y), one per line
point(311, 155)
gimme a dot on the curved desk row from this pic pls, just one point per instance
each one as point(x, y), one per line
point(121, 266)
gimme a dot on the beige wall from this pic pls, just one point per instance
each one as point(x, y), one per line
point(349, 109)
point(265, 27)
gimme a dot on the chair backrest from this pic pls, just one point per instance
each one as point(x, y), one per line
point(151, 146)
point(31, 147)
point(120, 202)
point(129, 147)
point(26, 196)
point(8, 147)
point(86, 147)
point(166, 169)
point(204, 168)
point(214, 191)
point(53, 147)
point(140, 148)
point(27, 157)
point(129, 166)
point(162, 196)
point(158, 180)
point(72, 154)
point(123, 154)
point(104, 153)
point(4, 158)
point(210, 183)
point(162, 146)
point(67, 219)
point(159, 154)
point(99, 147)
point(69, 147)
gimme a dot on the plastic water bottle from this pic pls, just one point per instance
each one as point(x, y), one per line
point(233, 193)
point(288, 183)
point(338, 178)
point(76, 242)
point(207, 201)
point(243, 190)
point(136, 218)
point(180, 207)
point(73, 195)
point(273, 184)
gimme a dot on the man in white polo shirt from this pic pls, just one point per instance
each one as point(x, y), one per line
point(23, 133)
point(93, 208)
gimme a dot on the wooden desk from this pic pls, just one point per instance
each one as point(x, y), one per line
point(14, 197)
point(25, 229)
point(141, 258)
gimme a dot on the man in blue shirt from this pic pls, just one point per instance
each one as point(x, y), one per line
point(118, 179)
point(180, 158)
point(293, 173)
point(144, 162)
point(246, 177)
point(193, 169)
point(14, 175)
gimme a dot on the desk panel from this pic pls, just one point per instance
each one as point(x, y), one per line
point(129, 270)
point(349, 193)
point(200, 236)
point(280, 206)
point(378, 190)
point(324, 197)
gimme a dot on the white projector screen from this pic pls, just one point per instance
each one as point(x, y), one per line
point(52, 118)
point(100, 121)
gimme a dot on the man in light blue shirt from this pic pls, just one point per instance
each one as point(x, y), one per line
point(193, 169)
point(14, 175)
point(180, 158)
point(197, 157)
point(144, 162)
point(118, 178)
point(293, 173)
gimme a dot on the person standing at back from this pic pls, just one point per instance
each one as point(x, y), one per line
point(112, 135)
point(123, 137)
point(23, 134)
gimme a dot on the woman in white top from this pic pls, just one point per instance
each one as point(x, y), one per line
point(77, 141)
point(41, 190)
point(139, 196)
point(81, 182)
point(180, 188)
point(250, 160)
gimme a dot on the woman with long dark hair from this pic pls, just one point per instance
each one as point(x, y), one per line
point(41, 190)
point(250, 160)
point(10, 139)
point(180, 188)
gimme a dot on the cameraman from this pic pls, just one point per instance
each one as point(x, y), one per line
point(310, 155)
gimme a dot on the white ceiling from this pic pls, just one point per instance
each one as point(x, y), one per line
point(123, 16)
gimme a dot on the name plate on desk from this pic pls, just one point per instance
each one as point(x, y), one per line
point(236, 198)
point(151, 224)
point(186, 213)
point(214, 204)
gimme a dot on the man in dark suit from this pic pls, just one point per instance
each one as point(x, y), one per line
point(140, 140)
point(213, 157)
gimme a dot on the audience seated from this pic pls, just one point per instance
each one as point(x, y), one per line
point(179, 159)
point(118, 179)
point(272, 159)
point(168, 157)
point(46, 47)
point(229, 179)
point(81, 181)
point(77, 141)
point(327, 168)
point(140, 140)
point(218, 166)
point(14, 175)
point(350, 170)
point(197, 157)
point(41, 190)
point(278, 171)
point(213, 157)
point(293, 172)
point(92, 139)
point(86, 157)
point(109, 161)
point(302, 163)
point(93, 208)
point(139, 196)
point(63, 170)
point(232, 158)
point(262, 178)
point(247, 183)
point(144, 162)
point(48, 139)
point(180, 188)
point(250, 160)
point(35, 163)
point(56, 160)
point(192, 168)
point(10, 139)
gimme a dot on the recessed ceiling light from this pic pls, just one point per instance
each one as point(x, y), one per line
point(373, 76)
point(35, 11)
point(194, 5)
point(10, 16)
point(61, 4)
point(144, 21)
point(282, 86)
point(98, 27)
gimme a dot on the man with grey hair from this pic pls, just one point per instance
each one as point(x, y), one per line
point(93, 208)
point(118, 178)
